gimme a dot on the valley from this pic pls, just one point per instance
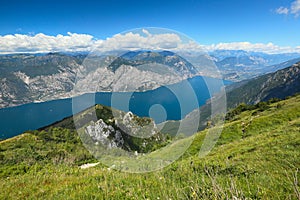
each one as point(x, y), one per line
point(150, 100)
point(91, 140)
point(36, 115)
point(27, 78)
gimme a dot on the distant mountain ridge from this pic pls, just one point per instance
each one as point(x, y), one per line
point(271, 59)
point(26, 78)
point(31, 78)
point(241, 65)
point(171, 59)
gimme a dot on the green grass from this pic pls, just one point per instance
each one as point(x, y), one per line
point(261, 162)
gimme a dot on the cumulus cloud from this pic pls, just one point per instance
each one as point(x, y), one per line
point(83, 42)
point(73, 42)
point(132, 41)
point(293, 9)
point(44, 43)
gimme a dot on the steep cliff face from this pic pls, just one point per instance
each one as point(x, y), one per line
point(34, 78)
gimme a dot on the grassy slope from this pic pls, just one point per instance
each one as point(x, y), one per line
point(260, 163)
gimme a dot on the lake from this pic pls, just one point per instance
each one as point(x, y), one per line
point(171, 102)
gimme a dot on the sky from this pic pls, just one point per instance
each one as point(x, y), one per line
point(266, 25)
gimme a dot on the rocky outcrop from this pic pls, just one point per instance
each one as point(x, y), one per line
point(126, 131)
point(105, 134)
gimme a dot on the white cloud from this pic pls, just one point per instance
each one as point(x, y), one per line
point(134, 41)
point(44, 43)
point(129, 41)
point(293, 9)
point(282, 11)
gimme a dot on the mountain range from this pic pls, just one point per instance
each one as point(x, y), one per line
point(255, 156)
point(276, 85)
point(58, 68)
point(26, 78)
point(34, 78)
point(241, 65)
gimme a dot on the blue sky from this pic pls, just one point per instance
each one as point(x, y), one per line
point(206, 21)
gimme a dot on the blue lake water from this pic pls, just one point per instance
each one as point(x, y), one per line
point(172, 102)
